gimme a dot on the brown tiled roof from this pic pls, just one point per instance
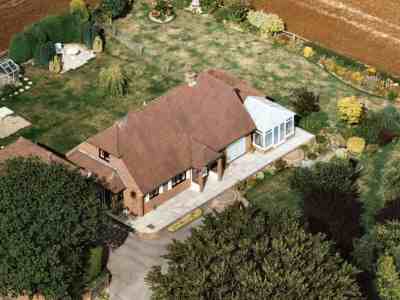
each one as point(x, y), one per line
point(25, 148)
point(106, 175)
point(157, 142)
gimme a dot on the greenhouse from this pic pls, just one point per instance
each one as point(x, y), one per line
point(9, 71)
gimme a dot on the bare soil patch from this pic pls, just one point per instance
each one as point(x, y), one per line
point(366, 30)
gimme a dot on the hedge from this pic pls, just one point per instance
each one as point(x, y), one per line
point(94, 264)
point(44, 53)
point(66, 28)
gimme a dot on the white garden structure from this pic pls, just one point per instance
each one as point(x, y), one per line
point(274, 123)
point(9, 71)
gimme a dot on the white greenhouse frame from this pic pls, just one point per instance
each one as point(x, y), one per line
point(9, 71)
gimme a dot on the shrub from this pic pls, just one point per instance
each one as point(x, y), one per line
point(55, 65)
point(269, 24)
point(381, 239)
point(236, 12)
point(392, 95)
point(20, 49)
point(308, 52)
point(112, 81)
point(391, 180)
point(98, 44)
point(116, 8)
point(350, 110)
point(314, 122)
point(94, 264)
point(356, 145)
point(387, 279)
point(79, 7)
point(330, 196)
point(372, 125)
point(386, 136)
point(244, 253)
point(44, 53)
point(304, 102)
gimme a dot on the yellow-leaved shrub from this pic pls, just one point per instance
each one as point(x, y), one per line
point(355, 145)
point(308, 52)
point(350, 110)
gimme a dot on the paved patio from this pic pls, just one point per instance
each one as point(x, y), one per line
point(188, 200)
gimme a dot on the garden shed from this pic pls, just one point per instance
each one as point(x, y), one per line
point(9, 71)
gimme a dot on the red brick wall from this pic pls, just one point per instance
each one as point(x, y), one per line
point(160, 199)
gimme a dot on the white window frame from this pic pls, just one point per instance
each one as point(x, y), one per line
point(180, 180)
point(270, 133)
point(282, 133)
point(289, 126)
point(261, 135)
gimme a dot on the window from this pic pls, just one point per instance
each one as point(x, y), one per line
point(178, 179)
point(154, 193)
point(104, 155)
point(268, 138)
point(289, 126)
point(165, 187)
point(258, 139)
point(282, 132)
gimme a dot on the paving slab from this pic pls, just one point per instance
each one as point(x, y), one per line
point(11, 124)
point(4, 112)
point(190, 199)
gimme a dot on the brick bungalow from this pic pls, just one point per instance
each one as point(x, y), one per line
point(174, 143)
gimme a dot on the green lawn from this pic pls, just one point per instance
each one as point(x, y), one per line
point(273, 193)
point(66, 109)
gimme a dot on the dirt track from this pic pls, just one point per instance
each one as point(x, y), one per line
point(16, 14)
point(367, 30)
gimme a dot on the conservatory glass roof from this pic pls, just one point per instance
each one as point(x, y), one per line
point(8, 66)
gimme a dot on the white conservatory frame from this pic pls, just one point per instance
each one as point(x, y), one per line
point(9, 71)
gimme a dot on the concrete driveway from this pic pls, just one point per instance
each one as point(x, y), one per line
point(130, 263)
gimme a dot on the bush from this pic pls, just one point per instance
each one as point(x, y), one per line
point(387, 279)
point(356, 145)
point(80, 8)
point(94, 263)
point(98, 44)
point(314, 122)
point(304, 102)
point(21, 48)
point(391, 180)
point(350, 110)
point(55, 65)
point(44, 53)
point(392, 95)
point(234, 12)
point(116, 8)
point(266, 23)
point(244, 253)
point(330, 196)
point(112, 81)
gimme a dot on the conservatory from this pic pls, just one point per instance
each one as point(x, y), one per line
point(274, 123)
point(9, 72)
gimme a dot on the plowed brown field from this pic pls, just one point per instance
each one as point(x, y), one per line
point(16, 14)
point(367, 30)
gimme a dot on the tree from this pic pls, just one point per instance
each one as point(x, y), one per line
point(305, 102)
point(113, 81)
point(49, 219)
point(115, 7)
point(387, 279)
point(330, 196)
point(244, 253)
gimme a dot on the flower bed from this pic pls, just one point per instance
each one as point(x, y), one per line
point(162, 12)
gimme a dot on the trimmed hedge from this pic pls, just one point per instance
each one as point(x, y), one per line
point(66, 28)
point(94, 264)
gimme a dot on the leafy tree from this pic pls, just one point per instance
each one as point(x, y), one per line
point(387, 279)
point(112, 81)
point(49, 218)
point(249, 254)
point(305, 102)
point(115, 7)
point(330, 196)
